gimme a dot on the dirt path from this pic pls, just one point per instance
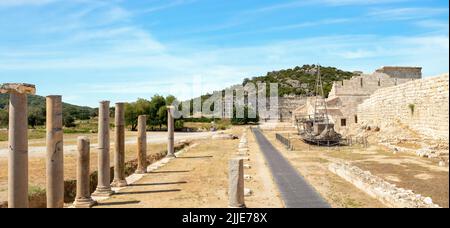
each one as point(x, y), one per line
point(199, 179)
point(37, 147)
point(36, 169)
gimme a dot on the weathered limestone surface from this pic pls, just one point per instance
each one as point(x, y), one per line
point(119, 152)
point(21, 88)
point(142, 145)
point(104, 175)
point(55, 153)
point(376, 187)
point(83, 198)
point(222, 136)
point(421, 105)
point(170, 132)
point(402, 72)
point(345, 96)
point(18, 143)
point(286, 105)
point(236, 183)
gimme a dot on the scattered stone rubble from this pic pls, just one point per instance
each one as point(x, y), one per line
point(223, 136)
point(376, 187)
point(394, 136)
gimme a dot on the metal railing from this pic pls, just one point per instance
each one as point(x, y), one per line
point(285, 141)
point(362, 140)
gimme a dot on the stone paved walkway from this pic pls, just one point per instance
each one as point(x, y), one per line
point(295, 190)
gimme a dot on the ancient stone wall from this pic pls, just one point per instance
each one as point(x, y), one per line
point(402, 72)
point(287, 105)
point(421, 105)
point(365, 85)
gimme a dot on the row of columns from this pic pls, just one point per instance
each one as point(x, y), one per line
point(18, 150)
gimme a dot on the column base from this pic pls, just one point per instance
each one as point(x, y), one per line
point(171, 156)
point(84, 203)
point(119, 183)
point(240, 206)
point(103, 192)
point(140, 171)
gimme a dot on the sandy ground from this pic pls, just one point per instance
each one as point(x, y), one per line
point(156, 144)
point(199, 179)
point(336, 191)
point(407, 171)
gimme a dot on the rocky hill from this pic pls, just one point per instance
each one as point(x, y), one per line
point(301, 80)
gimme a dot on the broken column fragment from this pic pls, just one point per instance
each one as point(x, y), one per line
point(142, 145)
point(236, 183)
point(83, 197)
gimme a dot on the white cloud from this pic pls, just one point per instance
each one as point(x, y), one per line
point(406, 13)
point(330, 3)
point(99, 39)
point(167, 5)
point(356, 2)
point(433, 24)
point(11, 3)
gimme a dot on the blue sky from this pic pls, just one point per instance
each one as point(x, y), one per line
point(91, 50)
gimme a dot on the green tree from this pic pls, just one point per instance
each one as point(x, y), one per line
point(156, 103)
point(36, 116)
point(131, 115)
point(69, 121)
point(246, 119)
point(134, 110)
point(4, 117)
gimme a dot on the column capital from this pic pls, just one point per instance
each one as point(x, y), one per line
point(21, 88)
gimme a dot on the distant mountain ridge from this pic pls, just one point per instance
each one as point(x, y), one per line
point(39, 102)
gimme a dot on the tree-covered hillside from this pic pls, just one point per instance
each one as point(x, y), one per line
point(301, 80)
point(36, 110)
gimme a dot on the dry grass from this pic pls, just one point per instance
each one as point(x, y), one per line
point(312, 163)
point(197, 179)
point(37, 168)
point(402, 169)
point(436, 186)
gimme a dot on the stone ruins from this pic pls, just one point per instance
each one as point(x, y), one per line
point(236, 190)
point(420, 105)
point(389, 96)
point(18, 152)
point(83, 198)
point(119, 153)
point(55, 153)
point(345, 96)
point(142, 145)
point(376, 187)
point(18, 143)
point(104, 175)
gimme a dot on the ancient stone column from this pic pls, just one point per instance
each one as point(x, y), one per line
point(55, 153)
point(170, 132)
point(18, 143)
point(119, 152)
point(83, 198)
point(236, 183)
point(142, 145)
point(104, 176)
